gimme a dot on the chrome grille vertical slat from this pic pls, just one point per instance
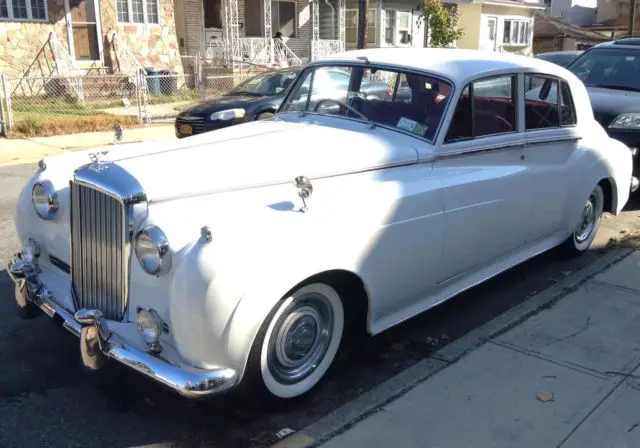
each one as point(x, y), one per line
point(98, 251)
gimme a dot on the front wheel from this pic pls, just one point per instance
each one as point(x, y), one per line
point(298, 341)
point(588, 224)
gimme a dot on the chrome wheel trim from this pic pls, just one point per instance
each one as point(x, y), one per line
point(587, 220)
point(301, 338)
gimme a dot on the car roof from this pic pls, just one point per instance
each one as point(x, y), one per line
point(630, 42)
point(456, 64)
point(559, 53)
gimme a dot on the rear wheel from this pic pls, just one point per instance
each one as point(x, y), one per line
point(298, 341)
point(588, 224)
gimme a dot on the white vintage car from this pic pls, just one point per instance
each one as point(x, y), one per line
point(244, 254)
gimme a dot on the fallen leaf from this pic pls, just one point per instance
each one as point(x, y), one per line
point(545, 396)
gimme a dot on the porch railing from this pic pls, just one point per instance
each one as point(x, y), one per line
point(255, 50)
point(325, 47)
point(65, 66)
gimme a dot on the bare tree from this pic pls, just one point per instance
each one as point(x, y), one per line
point(632, 11)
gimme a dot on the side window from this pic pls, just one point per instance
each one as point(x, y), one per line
point(567, 109)
point(541, 102)
point(486, 107)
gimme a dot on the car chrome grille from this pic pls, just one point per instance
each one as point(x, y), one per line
point(197, 124)
point(99, 257)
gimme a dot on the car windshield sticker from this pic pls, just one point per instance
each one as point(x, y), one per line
point(412, 126)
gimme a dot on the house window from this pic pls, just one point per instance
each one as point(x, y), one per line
point(23, 10)
point(351, 26)
point(138, 11)
point(283, 17)
point(397, 27)
point(517, 32)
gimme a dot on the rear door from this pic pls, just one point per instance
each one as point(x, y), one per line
point(551, 143)
point(487, 189)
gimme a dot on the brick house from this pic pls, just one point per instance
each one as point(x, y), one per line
point(42, 37)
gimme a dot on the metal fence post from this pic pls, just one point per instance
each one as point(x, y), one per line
point(3, 130)
point(202, 78)
point(7, 99)
point(138, 93)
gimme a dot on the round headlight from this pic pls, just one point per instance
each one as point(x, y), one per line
point(45, 199)
point(149, 327)
point(153, 251)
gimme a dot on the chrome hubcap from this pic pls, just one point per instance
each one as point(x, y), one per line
point(300, 338)
point(587, 220)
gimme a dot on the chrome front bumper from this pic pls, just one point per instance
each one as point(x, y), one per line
point(188, 381)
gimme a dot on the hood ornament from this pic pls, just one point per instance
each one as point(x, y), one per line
point(95, 156)
point(304, 190)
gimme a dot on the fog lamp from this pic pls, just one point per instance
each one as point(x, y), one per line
point(634, 151)
point(149, 327)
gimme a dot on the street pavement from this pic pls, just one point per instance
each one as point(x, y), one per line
point(46, 399)
point(566, 377)
point(20, 151)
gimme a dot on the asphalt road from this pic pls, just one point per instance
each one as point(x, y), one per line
point(46, 399)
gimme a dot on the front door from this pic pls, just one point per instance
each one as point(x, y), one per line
point(489, 33)
point(84, 35)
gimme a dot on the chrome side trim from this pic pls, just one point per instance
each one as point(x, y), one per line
point(543, 141)
point(188, 381)
point(474, 151)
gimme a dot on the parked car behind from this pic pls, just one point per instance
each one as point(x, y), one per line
point(562, 58)
point(242, 256)
point(254, 99)
point(611, 72)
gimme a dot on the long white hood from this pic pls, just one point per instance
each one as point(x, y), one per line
point(251, 155)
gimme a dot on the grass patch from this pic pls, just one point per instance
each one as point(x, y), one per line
point(36, 125)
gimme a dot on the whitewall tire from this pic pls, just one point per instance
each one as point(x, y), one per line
point(588, 224)
point(299, 341)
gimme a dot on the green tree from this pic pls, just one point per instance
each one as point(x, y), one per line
point(441, 23)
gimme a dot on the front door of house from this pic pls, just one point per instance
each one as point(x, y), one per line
point(84, 35)
point(489, 34)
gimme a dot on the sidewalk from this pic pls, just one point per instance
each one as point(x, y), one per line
point(566, 377)
point(30, 150)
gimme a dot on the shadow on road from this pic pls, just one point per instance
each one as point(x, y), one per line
point(41, 360)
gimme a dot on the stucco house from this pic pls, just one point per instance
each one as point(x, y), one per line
point(575, 12)
point(43, 37)
point(498, 25)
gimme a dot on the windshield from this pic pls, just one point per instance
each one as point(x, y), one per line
point(268, 84)
point(410, 102)
point(611, 68)
point(562, 59)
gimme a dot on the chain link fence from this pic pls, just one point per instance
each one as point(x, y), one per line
point(66, 104)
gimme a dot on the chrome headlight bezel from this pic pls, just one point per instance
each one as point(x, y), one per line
point(45, 200)
point(228, 114)
point(153, 250)
point(628, 120)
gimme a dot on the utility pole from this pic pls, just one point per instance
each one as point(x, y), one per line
point(363, 7)
point(632, 12)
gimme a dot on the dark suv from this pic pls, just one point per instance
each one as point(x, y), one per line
point(611, 73)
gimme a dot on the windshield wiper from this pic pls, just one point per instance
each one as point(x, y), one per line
point(616, 87)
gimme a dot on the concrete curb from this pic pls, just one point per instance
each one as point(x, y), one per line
point(367, 404)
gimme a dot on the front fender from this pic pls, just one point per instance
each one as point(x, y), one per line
point(223, 291)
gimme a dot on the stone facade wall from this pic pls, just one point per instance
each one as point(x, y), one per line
point(154, 46)
point(23, 48)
